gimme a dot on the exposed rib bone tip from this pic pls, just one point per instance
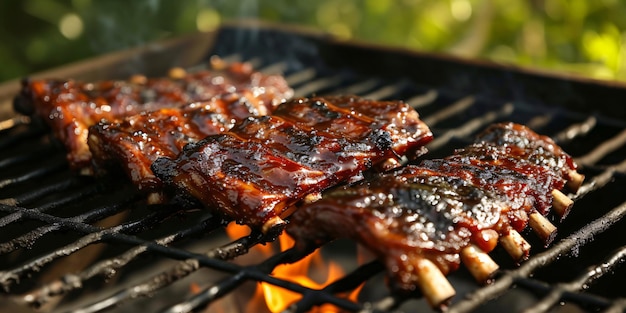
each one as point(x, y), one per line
point(217, 63)
point(515, 245)
point(177, 73)
point(155, 198)
point(139, 79)
point(575, 181)
point(434, 285)
point(274, 224)
point(561, 203)
point(479, 263)
point(9, 201)
point(542, 227)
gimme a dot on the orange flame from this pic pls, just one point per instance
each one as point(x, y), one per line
point(236, 231)
point(276, 299)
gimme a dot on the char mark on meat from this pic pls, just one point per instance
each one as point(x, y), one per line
point(256, 172)
point(69, 107)
point(446, 211)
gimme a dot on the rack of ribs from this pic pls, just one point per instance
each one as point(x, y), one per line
point(424, 220)
point(69, 107)
point(134, 142)
point(259, 170)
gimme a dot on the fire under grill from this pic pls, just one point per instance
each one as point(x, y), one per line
point(71, 243)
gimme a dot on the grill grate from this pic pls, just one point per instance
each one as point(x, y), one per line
point(51, 216)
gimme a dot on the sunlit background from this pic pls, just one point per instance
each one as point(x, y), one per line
point(577, 36)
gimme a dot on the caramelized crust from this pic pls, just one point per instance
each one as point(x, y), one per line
point(437, 209)
point(402, 216)
point(264, 165)
point(70, 107)
point(136, 141)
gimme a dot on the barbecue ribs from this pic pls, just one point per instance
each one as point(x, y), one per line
point(69, 107)
point(447, 210)
point(258, 170)
point(136, 141)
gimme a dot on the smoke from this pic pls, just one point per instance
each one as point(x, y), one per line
point(121, 24)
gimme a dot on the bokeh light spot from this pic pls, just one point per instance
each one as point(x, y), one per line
point(207, 20)
point(461, 10)
point(71, 26)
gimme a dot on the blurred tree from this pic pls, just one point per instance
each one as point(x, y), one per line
point(586, 37)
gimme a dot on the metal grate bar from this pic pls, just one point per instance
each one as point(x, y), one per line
point(455, 108)
point(317, 85)
point(59, 201)
point(109, 267)
point(503, 283)
point(63, 182)
point(576, 130)
point(603, 149)
point(384, 92)
point(38, 152)
point(56, 165)
point(301, 77)
point(423, 100)
point(600, 180)
point(346, 283)
point(260, 273)
point(29, 238)
point(555, 293)
point(470, 126)
point(30, 132)
point(358, 88)
point(276, 68)
point(619, 306)
point(9, 277)
point(175, 273)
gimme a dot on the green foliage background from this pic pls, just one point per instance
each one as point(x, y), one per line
point(580, 36)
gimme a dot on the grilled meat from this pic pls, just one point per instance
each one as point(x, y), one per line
point(258, 170)
point(443, 209)
point(70, 107)
point(136, 141)
point(402, 217)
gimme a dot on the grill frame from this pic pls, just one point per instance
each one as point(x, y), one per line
point(541, 93)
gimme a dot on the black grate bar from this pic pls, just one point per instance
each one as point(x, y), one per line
point(347, 283)
point(504, 282)
point(56, 165)
point(61, 183)
point(470, 126)
point(358, 88)
point(569, 291)
point(260, 272)
point(600, 180)
point(29, 238)
point(316, 85)
point(276, 68)
point(455, 108)
point(301, 76)
point(387, 304)
point(603, 149)
point(11, 276)
point(539, 121)
point(35, 130)
point(423, 100)
point(39, 151)
point(619, 306)
point(180, 270)
point(576, 130)
point(385, 91)
point(58, 201)
point(109, 267)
